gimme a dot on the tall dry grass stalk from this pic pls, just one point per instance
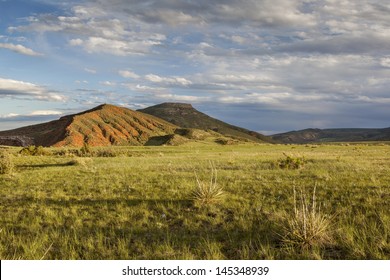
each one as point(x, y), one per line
point(308, 227)
point(207, 193)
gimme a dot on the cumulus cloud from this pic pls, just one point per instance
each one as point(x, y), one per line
point(19, 49)
point(97, 30)
point(128, 74)
point(45, 113)
point(35, 116)
point(117, 47)
point(178, 81)
point(89, 70)
point(264, 13)
point(369, 43)
point(24, 90)
point(108, 83)
point(313, 58)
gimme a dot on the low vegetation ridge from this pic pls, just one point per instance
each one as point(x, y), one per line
point(333, 135)
point(186, 116)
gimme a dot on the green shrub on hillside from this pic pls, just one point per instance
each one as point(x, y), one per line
point(6, 163)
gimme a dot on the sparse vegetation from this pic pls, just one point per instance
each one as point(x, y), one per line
point(138, 205)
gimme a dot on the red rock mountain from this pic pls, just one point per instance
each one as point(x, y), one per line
point(101, 126)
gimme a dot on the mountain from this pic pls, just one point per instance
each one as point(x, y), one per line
point(333, 135)
point(101, 126)
point(186, 116)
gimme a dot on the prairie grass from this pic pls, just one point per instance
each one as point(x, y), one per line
point(137, 205)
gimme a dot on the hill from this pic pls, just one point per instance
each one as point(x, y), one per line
point(186, 116)
point(101, 126)
point(333, 135)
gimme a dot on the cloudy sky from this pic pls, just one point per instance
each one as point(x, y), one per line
point(267, 65)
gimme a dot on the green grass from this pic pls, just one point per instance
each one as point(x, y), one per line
point(139, 204)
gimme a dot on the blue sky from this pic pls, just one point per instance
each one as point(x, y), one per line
point(267, 65)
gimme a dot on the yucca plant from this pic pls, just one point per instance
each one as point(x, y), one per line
point(308, 227)
point(207, 193)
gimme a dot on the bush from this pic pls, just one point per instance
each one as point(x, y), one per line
point(6, 163)
point(66, 152)
point(33, 151)
point(224, 141)
point(290, 162)
point(106, 153)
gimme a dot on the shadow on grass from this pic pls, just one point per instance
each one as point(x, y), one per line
point(92, 202)
point(44, 165)
point(171, 229)
point(199, 233)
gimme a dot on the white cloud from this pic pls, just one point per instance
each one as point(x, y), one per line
point(76, 42)
point(45, 113)
point(128, 74)
point(180, 81)
point(89, 70)
point(117, 47)
point(9, 116)
point(385, 61)
point(19, 89)
point(81, 82)
point(98, 30)
point(108, 83)
point(20, 49)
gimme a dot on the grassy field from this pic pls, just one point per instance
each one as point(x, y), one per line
point(333, 202)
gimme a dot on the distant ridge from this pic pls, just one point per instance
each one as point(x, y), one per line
point(333, 135)
point(103, 125)
point(186, 116)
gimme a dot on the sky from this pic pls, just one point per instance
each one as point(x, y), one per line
point(267, 65)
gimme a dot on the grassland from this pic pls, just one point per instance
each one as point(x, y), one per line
point(138, 204)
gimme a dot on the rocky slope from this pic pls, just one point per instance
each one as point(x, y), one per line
point(101, 126)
